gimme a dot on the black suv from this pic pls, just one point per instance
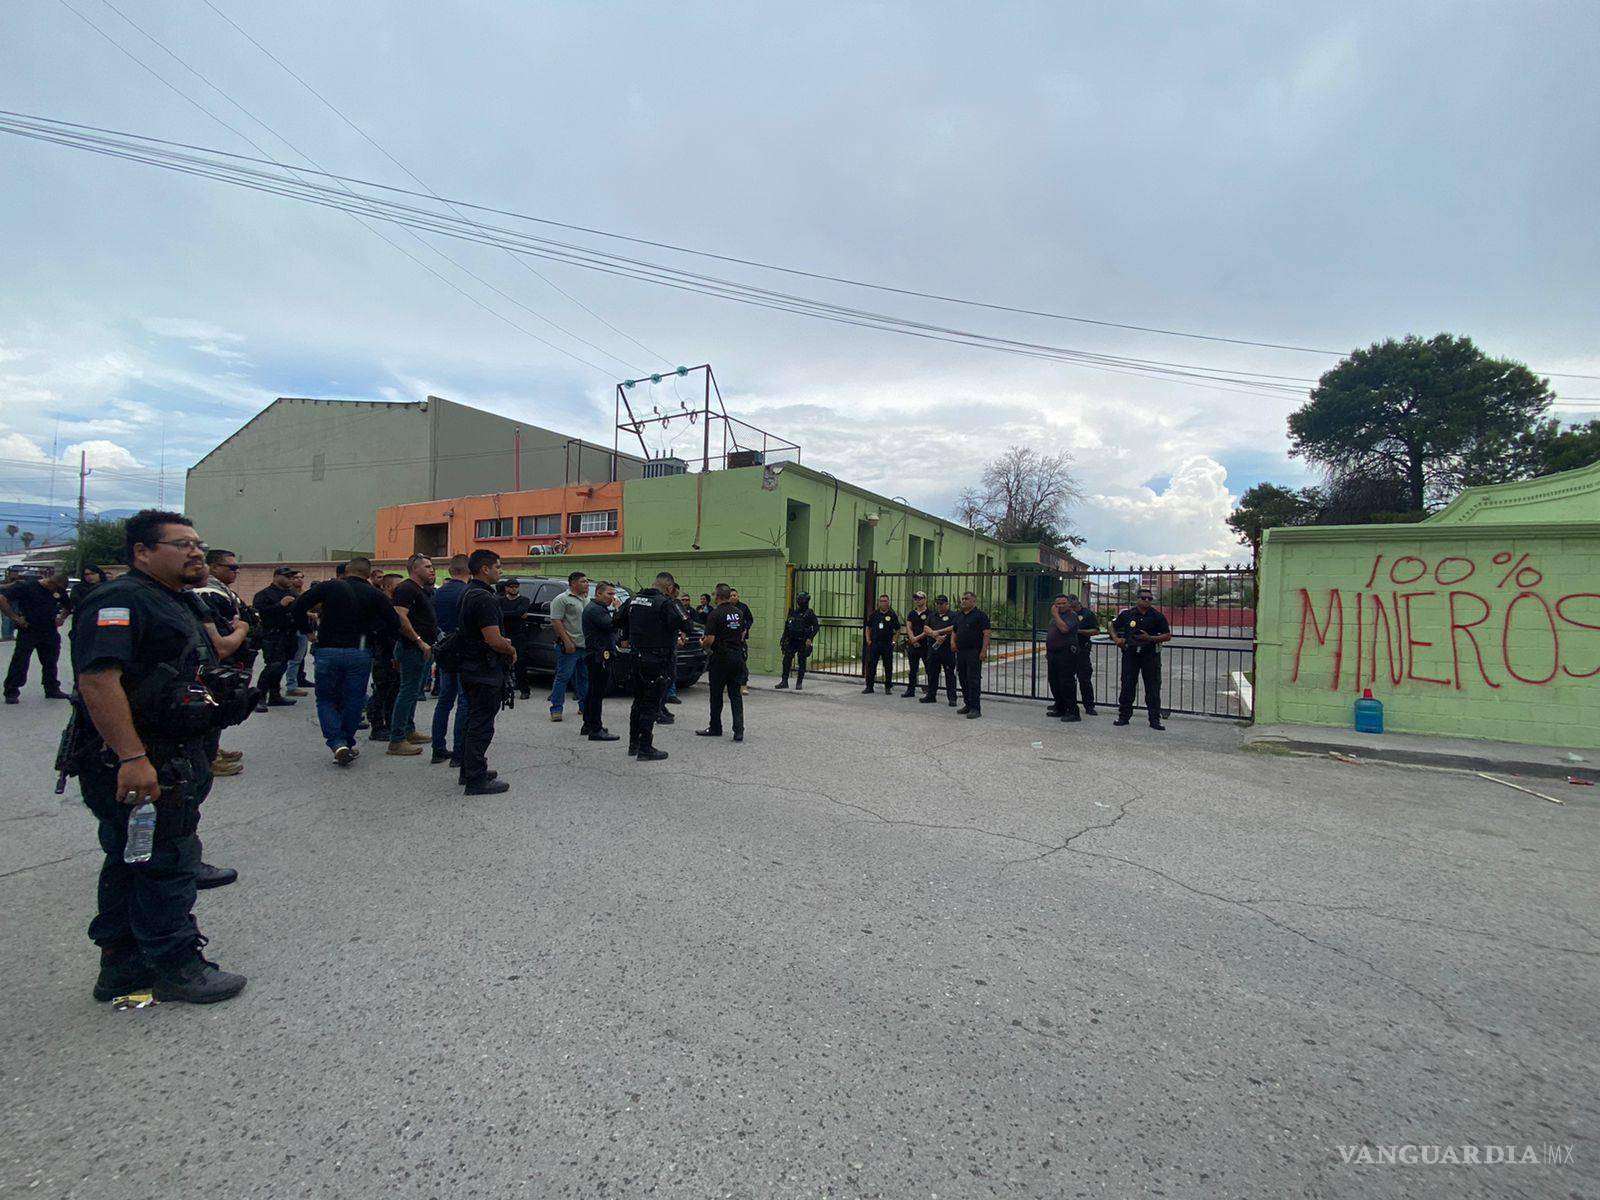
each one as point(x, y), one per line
point(542, 647)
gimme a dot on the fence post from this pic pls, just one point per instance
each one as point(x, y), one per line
point(1033, 632)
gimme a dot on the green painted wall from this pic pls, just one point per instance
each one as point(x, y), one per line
point(1463, 625)
point(806, 516)
point(760, 575)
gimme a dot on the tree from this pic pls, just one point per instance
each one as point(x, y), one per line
point(1364, 498)
point(1438, 414)
point(1267, 506)
point(11, 536)
point(100, 542)
point(27, 539)
point(1567, 449)
point(1023, 496)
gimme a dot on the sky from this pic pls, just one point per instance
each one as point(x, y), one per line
point(1314, 175)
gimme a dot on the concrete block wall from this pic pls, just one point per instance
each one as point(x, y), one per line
point(1466, 631)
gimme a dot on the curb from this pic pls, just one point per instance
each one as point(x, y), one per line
point(1426, 758)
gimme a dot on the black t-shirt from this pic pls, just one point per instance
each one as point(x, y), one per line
point(651, 622)
point(274, 613)
point(730, 629)
point(969, 628)
point(1088, 623)
point(411, 596)
point(916, 621)
point(1130, 622)
point(881, 626)
point(1055, 639)
point(937, 622)
point(480, 610)
point(36, 604)
point(352, 611)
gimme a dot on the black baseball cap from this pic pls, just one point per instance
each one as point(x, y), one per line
point(286, 570)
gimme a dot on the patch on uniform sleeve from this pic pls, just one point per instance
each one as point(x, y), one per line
point(114, 616)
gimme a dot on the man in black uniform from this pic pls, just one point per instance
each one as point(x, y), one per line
point(149, 695)
point(971, 633)
point(939, 628)
point(232, 622)
point(725, 638)
point(35, 607)
point(877, 633)
point(1061, 658)
point(799, 631)
point(519, 630)
point(917, 641)
point(1139, 632)
point(279, 638)
point(749, 628)
point(487, 659)
point(385, 667)
point(651, 623)
point(669, 677)
point(1083, 666)
point(600, 649)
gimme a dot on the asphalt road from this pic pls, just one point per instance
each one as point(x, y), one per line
point(875, 951)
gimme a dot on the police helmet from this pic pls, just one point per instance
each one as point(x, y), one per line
point(806, 596)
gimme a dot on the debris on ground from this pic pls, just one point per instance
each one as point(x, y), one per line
point(1580, 782)
point(1341, 756)
point(1517, 787)
point(133, 1000)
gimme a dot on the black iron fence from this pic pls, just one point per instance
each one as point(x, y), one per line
point(1208, 668)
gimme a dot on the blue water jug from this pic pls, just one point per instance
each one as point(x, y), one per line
point(1369, 713)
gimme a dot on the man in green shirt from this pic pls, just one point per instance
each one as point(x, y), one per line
point(566, 618)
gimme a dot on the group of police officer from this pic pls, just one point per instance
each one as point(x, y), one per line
point(161, 657)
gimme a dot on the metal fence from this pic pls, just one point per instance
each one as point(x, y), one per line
point(1208, 668)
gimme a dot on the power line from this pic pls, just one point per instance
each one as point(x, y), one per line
point(145, 151)
point(269, 158)
point(338, 112)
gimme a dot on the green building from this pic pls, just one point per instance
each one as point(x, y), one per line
point(1482, 621)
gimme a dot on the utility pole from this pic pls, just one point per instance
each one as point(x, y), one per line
point(83, 475)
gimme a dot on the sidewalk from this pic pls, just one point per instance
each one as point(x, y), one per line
point(1469, 754)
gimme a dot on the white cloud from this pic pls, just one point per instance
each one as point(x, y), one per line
point(1182, 525)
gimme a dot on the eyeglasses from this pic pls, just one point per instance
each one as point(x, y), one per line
point(185, 544)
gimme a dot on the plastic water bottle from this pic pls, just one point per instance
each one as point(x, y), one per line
point(1369, 713)
point(141, 834)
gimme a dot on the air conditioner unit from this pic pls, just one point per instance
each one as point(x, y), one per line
point(656, 468)
point(746, 458)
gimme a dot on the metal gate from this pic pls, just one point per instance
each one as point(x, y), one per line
point(1207, 669)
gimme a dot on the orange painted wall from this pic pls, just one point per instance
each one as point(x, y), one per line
point(396, 524)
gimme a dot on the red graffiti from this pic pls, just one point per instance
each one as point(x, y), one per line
point(1466, 627)
point(1309, 613)
point(1412, 640)
point(1562, 613)
point(1398, 619)
point(1555, 639)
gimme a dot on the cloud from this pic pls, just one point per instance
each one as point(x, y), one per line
point(1184, 524)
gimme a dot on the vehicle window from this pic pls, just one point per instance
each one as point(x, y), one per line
point(545, 593)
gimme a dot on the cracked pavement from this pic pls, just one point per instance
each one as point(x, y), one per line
point(877, 950)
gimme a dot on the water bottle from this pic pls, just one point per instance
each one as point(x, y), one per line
point(141, 834)
point(1369, 713)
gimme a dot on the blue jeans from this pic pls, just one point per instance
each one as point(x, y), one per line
point(302, 647)
point(450, 696)
point(569, 667)
point(404, 718)
point(342, 674)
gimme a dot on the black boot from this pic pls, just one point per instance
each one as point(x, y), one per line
point(781, 685)
point(650, 754)
point(207, 876)
point(195, 980)
point(122, 970)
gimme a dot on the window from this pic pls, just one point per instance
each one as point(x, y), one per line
point(494, 527)
point(545, 526)
point(545, 593)
point(593, 522)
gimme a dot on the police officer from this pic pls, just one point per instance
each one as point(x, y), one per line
point(516, 608)
point(878, 632)
point(917, 641)
point(1083, 664)
point(1061, 655)
point(971, 635)
point(35, 607)
point(669, 678)
point(279, 638)
point(651, 623)
point(800, 629)
point(1139, 632)
point(725, 637)
point(139, 735)
point(939, 630)
point(487, 659)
